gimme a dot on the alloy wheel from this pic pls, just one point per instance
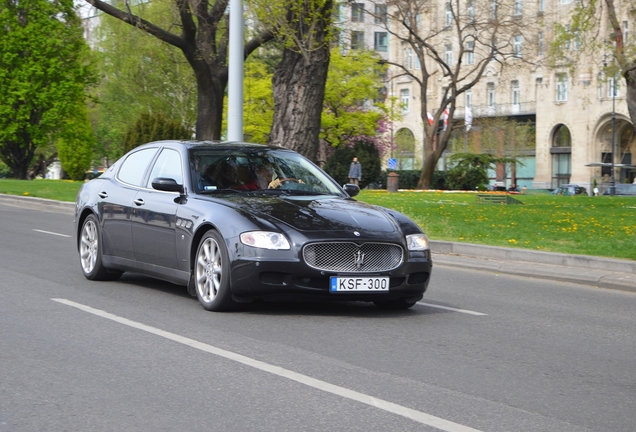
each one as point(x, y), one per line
point(209, 270)
point(89, 244)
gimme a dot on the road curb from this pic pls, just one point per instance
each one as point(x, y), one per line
point(550, 258)
point(579, 269)
point(38, 203)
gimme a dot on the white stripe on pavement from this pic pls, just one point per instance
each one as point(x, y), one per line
point(418, 416)
point(469, 312)
point(52, 233)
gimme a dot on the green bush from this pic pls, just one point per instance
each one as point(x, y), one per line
point(467, 178)
point(408, 179)
point(338, 164)
point(154, 127)
point(75, 145)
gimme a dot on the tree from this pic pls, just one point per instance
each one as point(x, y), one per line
point(258, 105)
point(349, 109)
point(471, 170)
point(476, 37)
point(348, 113)
point(140, 74)
point(597, 32)
point(299, 80)
point(75, 144)
point(44, 71)
point(203, 40)
point(499, 137)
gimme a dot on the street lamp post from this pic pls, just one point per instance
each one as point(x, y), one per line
point(612, 178)
point(612, 189)
point(392, 114)
point(235, 73)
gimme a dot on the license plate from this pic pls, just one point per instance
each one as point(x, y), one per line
point(359, 284)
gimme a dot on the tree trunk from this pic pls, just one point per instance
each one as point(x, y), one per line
point(299, 90)
point(630, 78)
point(426, 179)
point(299, 85)
point(19, 157)
point(211, 84)
point(204, 44)
point(433, 149)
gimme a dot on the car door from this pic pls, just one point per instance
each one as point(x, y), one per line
point(116, 200)
point(154, 217)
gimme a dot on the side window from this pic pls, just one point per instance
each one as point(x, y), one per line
point(168, 165)
point(133, 169)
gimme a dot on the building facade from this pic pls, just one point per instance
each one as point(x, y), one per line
point(577, 110)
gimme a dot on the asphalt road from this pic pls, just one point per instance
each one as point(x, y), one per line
point(481, 352)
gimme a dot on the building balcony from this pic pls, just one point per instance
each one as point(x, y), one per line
point(498, 110)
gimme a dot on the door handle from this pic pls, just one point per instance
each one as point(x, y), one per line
point(103, 195)
point(139, 202)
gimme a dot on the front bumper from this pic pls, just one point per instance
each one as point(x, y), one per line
point(253, 279)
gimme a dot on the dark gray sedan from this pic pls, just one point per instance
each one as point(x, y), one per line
point(239, 222)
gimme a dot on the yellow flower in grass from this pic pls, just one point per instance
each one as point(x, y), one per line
point(513, 241)
point(26, 193)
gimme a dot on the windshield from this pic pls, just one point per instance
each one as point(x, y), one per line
point(253, 169)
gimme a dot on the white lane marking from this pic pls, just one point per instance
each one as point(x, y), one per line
point(52, 233)
point(409, 413)
point(469, 312)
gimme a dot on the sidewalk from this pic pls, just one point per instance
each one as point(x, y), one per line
point(579, 269)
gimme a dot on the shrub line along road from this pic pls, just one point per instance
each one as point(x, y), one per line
point(579, 269)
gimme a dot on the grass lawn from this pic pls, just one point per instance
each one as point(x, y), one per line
point(597, 226)
point(61, 190)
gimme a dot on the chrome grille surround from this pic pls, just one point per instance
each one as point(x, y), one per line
point(351, 257)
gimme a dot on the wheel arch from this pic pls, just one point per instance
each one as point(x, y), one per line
point(196, 239)
point(80, 223)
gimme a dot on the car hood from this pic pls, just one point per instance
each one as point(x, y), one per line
point(317, 214)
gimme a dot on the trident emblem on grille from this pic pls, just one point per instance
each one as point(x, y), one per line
point(358, 259)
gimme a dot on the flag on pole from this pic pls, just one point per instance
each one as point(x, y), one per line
point(430, 118)
point(445, 118)
point(468, 118)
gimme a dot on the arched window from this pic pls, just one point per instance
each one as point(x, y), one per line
point(405, 149)
point(561, 151)
point(562, 137)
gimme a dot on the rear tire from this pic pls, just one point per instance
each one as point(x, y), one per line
point(212, 274)
point(398, 304)
point(90, 251)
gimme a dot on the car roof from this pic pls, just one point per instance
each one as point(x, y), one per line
point(190, 144)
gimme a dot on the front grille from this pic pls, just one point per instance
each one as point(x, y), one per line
point(354, 258)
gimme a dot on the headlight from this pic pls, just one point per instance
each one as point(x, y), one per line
point(265, 240)
point(417, 242)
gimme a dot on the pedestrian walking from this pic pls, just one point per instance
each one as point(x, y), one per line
point(355, 171)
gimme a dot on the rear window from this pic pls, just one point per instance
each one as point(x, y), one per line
point(134, 167)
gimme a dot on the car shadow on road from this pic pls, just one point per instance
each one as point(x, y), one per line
point(350, 309)
point(289, 308)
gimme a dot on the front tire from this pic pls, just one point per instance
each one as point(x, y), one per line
point(212, 274)
point(90, 252)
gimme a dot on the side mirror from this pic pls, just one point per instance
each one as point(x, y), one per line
point(351, 189)
point(166, 184)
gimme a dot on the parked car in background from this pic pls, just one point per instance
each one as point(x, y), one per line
point(623, 189)
point(570, 190)
point(238, 222)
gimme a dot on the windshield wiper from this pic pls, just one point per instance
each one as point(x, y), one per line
point(217, 191)
point(305, 192)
